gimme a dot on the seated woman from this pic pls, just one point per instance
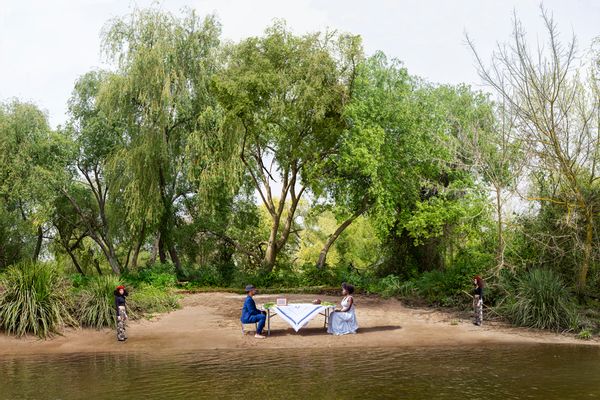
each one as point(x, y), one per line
point(343, 321)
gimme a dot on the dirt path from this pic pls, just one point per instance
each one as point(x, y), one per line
point(211, 321)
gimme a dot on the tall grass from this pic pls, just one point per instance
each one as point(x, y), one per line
point(539, 299)
point(95, 303)
point(34, 300)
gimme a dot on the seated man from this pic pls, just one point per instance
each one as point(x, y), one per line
point(250, 314)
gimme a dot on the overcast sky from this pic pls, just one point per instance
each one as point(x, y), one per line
point(45, 45)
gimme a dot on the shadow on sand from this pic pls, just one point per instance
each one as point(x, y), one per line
point(323, 332)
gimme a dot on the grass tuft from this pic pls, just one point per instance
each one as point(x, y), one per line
point(34, 300)
point(95, 303)
point(539, 299)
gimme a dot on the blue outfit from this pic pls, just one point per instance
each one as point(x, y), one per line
point(251, 314)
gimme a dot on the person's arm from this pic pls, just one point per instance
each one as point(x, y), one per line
point(246, 307)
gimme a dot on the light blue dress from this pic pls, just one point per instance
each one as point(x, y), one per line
point(342, 323)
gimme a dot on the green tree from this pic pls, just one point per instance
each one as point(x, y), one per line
point(96, 139)
point(356, 178)
point(286, 94)
point(161, 96)
point(32, 162)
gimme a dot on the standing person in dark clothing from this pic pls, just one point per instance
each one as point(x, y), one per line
point(478, 300)
point(251, 314)
point(121, 307)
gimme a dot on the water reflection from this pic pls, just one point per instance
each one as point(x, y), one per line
point(506, 372)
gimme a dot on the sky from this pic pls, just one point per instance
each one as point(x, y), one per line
point(45, 45)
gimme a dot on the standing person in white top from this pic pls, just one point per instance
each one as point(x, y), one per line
point(343, 321)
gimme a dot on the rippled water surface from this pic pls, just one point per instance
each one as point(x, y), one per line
point(498, 372)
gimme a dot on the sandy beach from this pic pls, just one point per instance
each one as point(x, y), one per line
point(211, 321)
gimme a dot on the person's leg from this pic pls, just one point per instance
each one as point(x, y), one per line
point(260, 319)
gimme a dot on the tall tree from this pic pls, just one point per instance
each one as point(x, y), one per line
point(32, 160)
point(286, 94)
point(96, 139)
point(356, 178)
point(557, 117)
point(496, 152)
point(161, 94)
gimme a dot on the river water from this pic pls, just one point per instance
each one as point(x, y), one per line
point(494, 372)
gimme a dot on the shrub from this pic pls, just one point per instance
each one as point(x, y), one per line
point(95, 302)
point(78, 280)
point(157, 275)
point(311, 275)
point(538, 299)
point(150, 299)
point(585, 334)
point(391, 286)
point(34, 300)
point(206, 275)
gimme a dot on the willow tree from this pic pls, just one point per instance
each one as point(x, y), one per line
point(286, 94)
point(161, 94)
point(557, 117)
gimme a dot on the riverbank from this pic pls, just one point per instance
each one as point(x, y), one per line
point(211, 321)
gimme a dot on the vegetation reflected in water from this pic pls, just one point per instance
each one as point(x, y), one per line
point(506, 372)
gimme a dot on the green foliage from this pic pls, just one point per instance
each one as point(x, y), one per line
point(285, 95)
point(311, 275)
point(94, 304)
point(149, 299)
point(158, 275)
point(170, 149)
point(392, 286)
point(538, 299)
point(584, 334)
point(32, 167)
point(33, 300)
point(206, 275)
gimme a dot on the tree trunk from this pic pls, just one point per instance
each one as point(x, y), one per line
point(587, 251)
point(175, 259)
point(501, 245)
point(112, 260)
point(75, 263)
point(155, 247)
point(103, 240)
point(138, 246)
point(97, 265)
point(126, 265)
point(333, 237)
point(161, 250)
point(272, 248)
point(38, 244)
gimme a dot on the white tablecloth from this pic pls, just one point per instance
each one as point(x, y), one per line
point(298, 315)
